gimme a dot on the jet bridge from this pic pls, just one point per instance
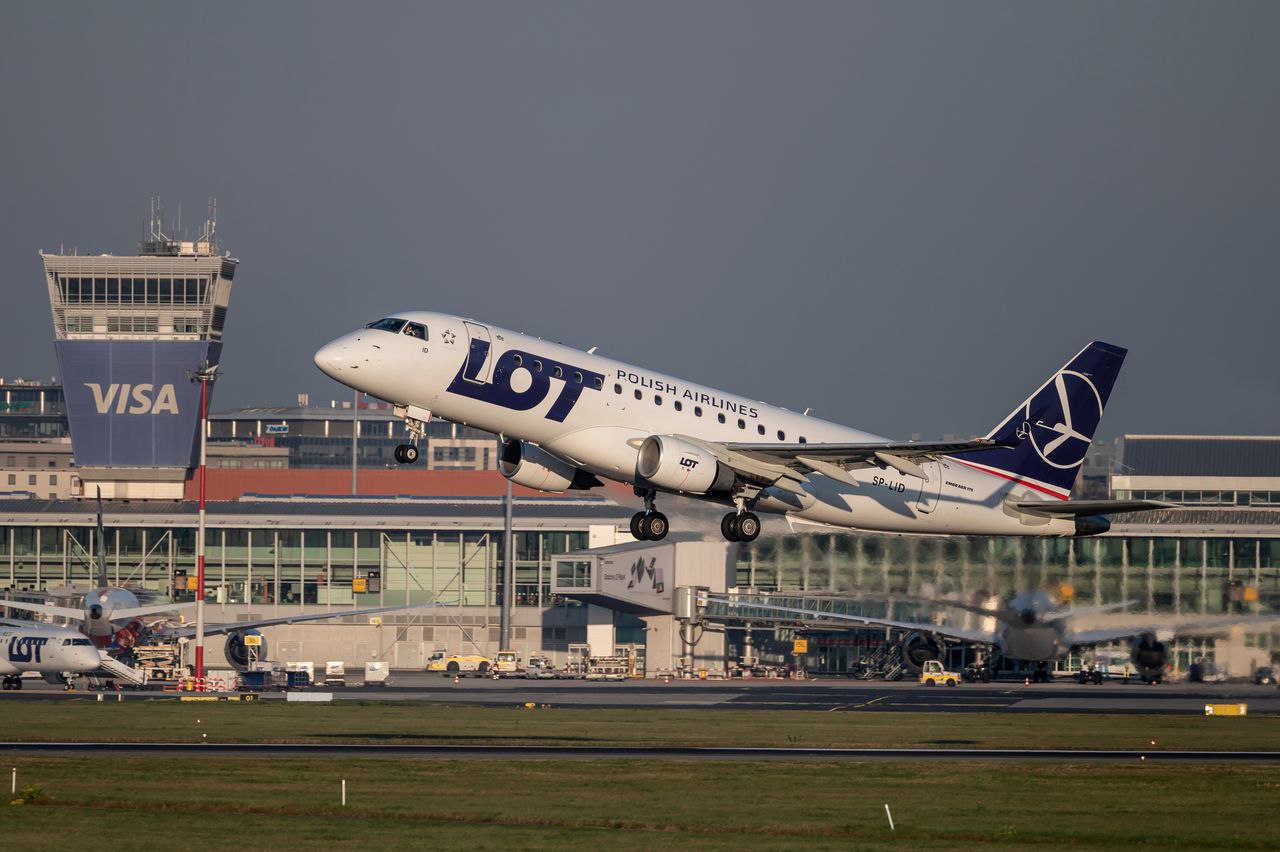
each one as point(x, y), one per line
point(642, 579)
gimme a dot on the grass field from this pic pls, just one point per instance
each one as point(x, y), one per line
point(392, 722)
point(134, 801)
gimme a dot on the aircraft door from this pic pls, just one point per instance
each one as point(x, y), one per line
point(931, 490)
point(479, 360)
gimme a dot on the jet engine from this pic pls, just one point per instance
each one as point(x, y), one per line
point(1149, 657)
point(528, 465)
point(240, 653)
point(918, 648)
point(674, 464)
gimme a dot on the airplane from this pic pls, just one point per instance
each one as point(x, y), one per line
point(114, 620)
point(51, 651)
point(1030, 627)
point(567, 418)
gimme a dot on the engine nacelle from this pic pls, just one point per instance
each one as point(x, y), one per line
point(918, 648)
point(530, 466)
point(1149, 657)
point(674, 464)
point(241, 654)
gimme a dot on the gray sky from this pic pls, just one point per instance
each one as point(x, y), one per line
point(903, 215)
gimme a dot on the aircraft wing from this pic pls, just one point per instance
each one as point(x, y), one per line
point(153, 609)
point(1074, 508)
point(189, 630)
point(46, 609)
point(781, 464)
point(959, 633)
point(1208, 626)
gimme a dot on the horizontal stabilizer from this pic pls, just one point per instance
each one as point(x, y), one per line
point(45, 609)
point(1077, 508)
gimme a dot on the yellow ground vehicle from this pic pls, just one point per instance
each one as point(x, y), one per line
point(451, 665)
point(932, 674)
point(507, 664)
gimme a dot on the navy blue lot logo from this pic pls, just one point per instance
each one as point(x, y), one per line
point(1061, 419)
point(26, 649)
point(529, 372)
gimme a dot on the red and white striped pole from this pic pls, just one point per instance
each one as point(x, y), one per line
point(204, 377)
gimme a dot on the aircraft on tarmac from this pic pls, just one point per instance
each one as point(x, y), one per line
point(114, 620)
point(569, 417)
point(1029, 627)
point(51, 651)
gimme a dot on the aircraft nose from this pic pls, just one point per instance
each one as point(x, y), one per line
point(332, 358)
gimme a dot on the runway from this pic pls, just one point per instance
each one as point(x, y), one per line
point(473, 752)
point(819, 695)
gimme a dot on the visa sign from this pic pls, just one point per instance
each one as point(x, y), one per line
point(134, 399)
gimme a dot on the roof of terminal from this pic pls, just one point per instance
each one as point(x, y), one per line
point(1200, 455)
point(323, 511)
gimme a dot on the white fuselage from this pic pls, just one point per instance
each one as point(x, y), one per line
point(594, 412)
point(46, 650)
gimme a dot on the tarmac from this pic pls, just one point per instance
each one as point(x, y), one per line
point(767, 694)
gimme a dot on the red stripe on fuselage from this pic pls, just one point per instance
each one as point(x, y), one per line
point(1011, 478)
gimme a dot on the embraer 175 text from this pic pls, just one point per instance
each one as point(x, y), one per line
point(568, 417)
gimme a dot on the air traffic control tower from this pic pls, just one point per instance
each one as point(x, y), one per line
point(130, 333)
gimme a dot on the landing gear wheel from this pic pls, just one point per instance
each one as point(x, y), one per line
point(747, 526)
point(655, 526)
point(406, 454)
point(727, 527)
point(637, 526)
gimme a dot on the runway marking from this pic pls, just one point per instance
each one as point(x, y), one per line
point(869, 703)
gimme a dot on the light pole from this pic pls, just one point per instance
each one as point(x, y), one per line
point(205, 376)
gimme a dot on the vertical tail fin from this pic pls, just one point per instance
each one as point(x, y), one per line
point(1050, 432)
point(102, 547)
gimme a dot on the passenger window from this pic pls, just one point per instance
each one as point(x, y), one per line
point(537, 365)
point(657, 400)
point(678, 406)
point(617, 388)
point(558, 372)
point(577, 378)
point(720, 417)
point(782, 436)
point(742, 424)
point(639, 395)
point(803, 440)
point(598, 383)
point(697, 411)
point(517, 360)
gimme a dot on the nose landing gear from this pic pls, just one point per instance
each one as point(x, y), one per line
point(415, 421)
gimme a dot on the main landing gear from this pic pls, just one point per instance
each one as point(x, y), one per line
point(406, 454)
point(649, 525)
point(12, 682)
point(740, 526)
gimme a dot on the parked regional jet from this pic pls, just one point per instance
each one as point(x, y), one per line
point(1029, 627)
point(568, 417)
point(51, 651)
point(113, 619)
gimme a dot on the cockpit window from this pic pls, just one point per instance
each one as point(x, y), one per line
point(76, 642)
point(413, 329)
point(390, 324)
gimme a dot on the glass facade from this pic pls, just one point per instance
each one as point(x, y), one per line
point(289, 566)
point(1158, 575)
